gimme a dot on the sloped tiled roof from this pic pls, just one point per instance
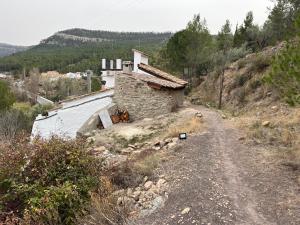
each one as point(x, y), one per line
point(155, 80)
point(161, 74)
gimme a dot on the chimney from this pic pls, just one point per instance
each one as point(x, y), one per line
point(103, 64)
point(119, 64)
point(127, 67)
point(111, 64)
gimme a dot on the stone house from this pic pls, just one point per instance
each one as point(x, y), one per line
point(145, 91)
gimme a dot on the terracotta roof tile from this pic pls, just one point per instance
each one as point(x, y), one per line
point(155, 80)
point(161, 74)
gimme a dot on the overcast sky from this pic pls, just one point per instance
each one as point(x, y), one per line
point(27, 22)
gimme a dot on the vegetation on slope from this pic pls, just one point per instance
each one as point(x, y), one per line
point(72, 55)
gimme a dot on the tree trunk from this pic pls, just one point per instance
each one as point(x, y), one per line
point(221, 88)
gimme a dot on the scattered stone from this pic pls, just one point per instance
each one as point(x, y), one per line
point(168, 140)
point(242, 138)
point(100, 149)
point(132, 146)
point(160, 182)
point(145, 179)
point(266, 123)
point(156, 148)
point(119, 193)
point(127, 202)
point(175, 140)
point(274, 107)
point(171, 145)
point(185, 211)
point(90, 140)
point(199, 115)
point(136, 195)
point(148, 185)
point(88, 134)
point(126, 151)
point(224, 116)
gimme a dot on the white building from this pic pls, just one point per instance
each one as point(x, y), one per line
point(71, 116)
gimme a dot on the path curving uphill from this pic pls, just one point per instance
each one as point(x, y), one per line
point(224, 181)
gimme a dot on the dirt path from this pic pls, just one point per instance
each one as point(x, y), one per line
point(224, 181)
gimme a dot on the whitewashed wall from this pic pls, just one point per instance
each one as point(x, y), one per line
point(65, 122)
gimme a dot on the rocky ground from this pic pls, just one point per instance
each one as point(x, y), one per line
point(214, 177)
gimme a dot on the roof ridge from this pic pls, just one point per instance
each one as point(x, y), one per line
point(162, 74)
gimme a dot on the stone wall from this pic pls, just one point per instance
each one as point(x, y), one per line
point(142, 101)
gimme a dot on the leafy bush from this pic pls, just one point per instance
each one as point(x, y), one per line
point(46, 182)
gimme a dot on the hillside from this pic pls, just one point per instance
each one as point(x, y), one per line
point(6, 49)
point(256, 105)
point(79, 49)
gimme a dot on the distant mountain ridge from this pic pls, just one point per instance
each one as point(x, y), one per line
point(75, 37)
point(7, 49)
point(76, 50)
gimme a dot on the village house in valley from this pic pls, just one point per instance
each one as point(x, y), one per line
point(140, 90)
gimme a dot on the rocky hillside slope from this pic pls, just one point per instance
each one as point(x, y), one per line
point(243, 82)
point(256, 106)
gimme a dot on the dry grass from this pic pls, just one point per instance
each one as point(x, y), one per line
point(283, 133)
point(190, 125)
point(147, 165)
point(103, 208)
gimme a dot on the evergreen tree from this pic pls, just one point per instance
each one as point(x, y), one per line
point(7, 97)
point(285, 76)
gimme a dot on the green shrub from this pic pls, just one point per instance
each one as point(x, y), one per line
point(96, 84)
point(47, 182)
point(259, 63)
point(285, 74)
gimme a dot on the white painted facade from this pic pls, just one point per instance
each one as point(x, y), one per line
point(139, 57)
point(66, 121)
point(110, 81)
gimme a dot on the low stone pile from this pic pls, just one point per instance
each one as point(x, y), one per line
point(138, 148)
point(145, 198)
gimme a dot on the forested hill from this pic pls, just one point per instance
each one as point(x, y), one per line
point(79, 50)
point(74, 37)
